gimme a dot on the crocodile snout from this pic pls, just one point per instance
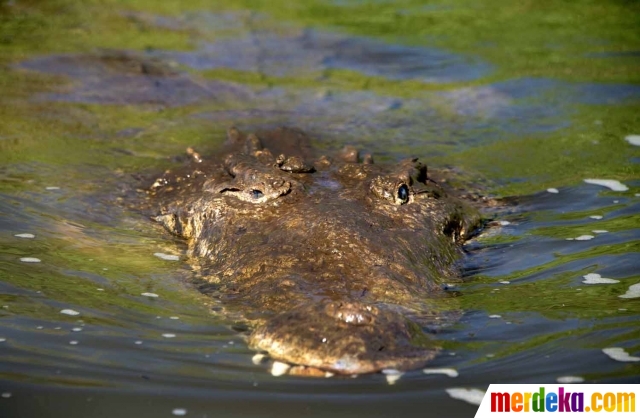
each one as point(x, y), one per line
point(345, 338)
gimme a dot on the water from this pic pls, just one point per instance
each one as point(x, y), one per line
point(83, 116)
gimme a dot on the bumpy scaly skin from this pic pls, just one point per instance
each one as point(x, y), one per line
point(344, 337)
point(339, 263)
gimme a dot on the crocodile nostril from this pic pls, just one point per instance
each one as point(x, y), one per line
point(351, 313)
point(354, 318)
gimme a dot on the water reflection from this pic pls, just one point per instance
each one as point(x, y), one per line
point(314, 52)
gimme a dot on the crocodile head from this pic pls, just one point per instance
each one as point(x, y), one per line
point(338, 262)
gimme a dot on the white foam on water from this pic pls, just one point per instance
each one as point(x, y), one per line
point(470, 395)
point(73, 342)
point(599, 231)
point(69, 312)
point(2, 340)
point(614, 185)
point(392, 375)
point(618, 354)
point(570, 379)
point(151, 295)
point(169, 335)
point(446, 371)
point(505, 282)
point(180, 412)
point(553, 190)
point(138, 342)
point(174, 317)
point(495, 316)
point(258, 358)
point(392, 378)
point(595, 278)
point(584, 237)
point(167, 257)
point(633, 140)
point(633, 292)
point(30, 260)
point(596, 216)
point(24, 235)
point(505, 223)
point(77, 329)
point(6, 395)
point(278, 368)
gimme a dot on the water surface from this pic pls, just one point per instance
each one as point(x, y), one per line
point(96, 95)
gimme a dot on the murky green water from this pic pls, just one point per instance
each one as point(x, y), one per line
point(524, 97)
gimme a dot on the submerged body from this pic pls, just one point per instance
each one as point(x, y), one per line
point(339, 262)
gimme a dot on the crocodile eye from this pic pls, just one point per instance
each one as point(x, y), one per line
point(256, 194)
point(403, 194)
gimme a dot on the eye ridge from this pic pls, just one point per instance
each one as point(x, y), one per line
point(256, 194)
point(396, 190)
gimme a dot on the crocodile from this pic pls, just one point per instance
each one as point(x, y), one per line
point(339, 264)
